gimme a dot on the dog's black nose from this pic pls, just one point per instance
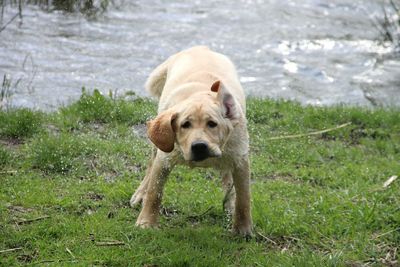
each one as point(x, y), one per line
point(200, 151)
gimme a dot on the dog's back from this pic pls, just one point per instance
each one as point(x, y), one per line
point(196, 64)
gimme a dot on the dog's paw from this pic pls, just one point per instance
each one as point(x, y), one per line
point(137, 198)
point(145, 224)
point(244, 231)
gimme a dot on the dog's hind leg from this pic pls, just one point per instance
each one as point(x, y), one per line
point(140, 192)
point(157, 177)
point(228, 202)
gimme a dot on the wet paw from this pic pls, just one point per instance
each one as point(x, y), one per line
point(146, 224)
point(244, 231)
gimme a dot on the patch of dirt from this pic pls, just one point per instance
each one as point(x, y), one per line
point(85, 210)
point(328, 137)
point(11, 143)
point(51, 129)
point(94, 196)
point(110, 177)
point(361, 132)
point(97, 126)
point(390, 253)
point(140, 130)
point(28, 257)
point(136, 168)
point(19, 209)
point(169, 211)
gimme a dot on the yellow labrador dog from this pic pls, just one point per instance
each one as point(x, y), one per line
point(201, 122)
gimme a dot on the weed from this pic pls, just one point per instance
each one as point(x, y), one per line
point(4, 157)
point(91, 9)
point(389, 27)
point(20, 123)
point(60, 154)
point(7, 89)
point(97, 108)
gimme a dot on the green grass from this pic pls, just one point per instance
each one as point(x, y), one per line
point(66, 179)
point(19, 124)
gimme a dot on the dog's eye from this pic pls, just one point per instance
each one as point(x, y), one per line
point(186, 125)
point(212, 124)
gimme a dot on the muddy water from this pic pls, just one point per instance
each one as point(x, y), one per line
point(315, 52)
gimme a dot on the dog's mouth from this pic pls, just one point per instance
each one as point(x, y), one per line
point(201, 151)
point(202, 158)
point(198, 160)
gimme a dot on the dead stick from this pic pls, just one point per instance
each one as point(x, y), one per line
point(10, 250)
point(70, 252)
point(94, 167)
point(389, 232)
point(389, 181)
point(201, 214)
point(310, 133)
point(266, 238)
point(33, 220)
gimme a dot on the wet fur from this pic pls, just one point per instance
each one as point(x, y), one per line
point(198, 83)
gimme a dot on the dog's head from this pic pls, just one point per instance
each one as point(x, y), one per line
point(199, 126)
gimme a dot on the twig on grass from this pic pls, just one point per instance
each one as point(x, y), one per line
point(10, 250)
point(377, 188)
point(267, 238)
point(310, 133)
point(196, 216)
point(386, 233)
point(389, 181)
point(94, 167)
point(105, 242)
point(32, 220)
point(70, 252)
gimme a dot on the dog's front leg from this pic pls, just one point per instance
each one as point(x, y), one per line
point(242, 216)
point(157, 177)
point(138, 196)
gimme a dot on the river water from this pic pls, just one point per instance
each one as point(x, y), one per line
point(315, 52)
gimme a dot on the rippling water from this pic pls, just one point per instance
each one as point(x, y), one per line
point(315, 52)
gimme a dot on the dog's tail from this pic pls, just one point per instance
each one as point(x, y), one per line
point(156, 81)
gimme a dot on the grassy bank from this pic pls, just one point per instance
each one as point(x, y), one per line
point(318, 200)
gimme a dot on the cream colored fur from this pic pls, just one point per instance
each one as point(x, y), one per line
point(199, 86)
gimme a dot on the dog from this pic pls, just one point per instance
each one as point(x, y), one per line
point(201, 122)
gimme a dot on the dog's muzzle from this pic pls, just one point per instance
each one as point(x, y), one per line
point(200, 151)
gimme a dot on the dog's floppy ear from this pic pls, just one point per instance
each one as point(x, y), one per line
point(161, 132)
point(228, 103)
